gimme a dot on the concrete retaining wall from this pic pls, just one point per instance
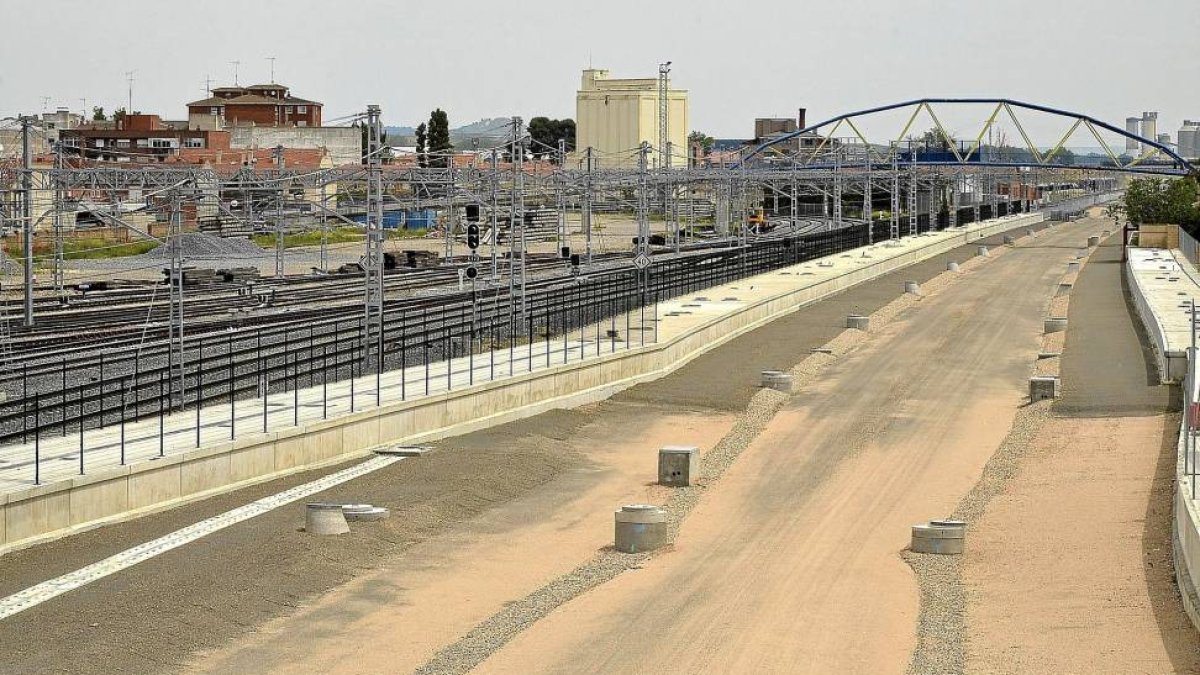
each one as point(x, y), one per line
point(1171, 363)
point(1185, 536)
point(57, 509)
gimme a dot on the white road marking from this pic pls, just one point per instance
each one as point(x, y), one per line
point(36, 595)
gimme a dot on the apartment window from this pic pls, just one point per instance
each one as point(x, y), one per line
point(122, 142)
point(143, 142)
point(301, 109)
point(161, 143)
point(291, 109)
point(193, 142)
point(215, 110)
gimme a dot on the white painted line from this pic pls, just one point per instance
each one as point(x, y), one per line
point(36, 595)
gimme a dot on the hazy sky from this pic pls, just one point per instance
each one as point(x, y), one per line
point(739, 60)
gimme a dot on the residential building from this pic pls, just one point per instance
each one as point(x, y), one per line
point(270, 105)
point(140, 138)
point(614, 117)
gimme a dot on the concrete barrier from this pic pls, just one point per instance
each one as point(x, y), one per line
point(119, 493)
point(639, 528)
point(939, 537)
point(678, 465)
point(1042, 387)
point(858, 322)
point(1054, 324)
point(777, 380)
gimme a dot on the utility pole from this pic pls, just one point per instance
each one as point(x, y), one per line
point(279, 192)
point(516, 279)
point(451, 211)
point(664, 107)
point(587, 207)
point(272, 60)
point(867, 201)
point(235, 71)
point(494, 219)
point(175, 279)
point(912, 196)
point(58, 219)
point(373, 260)
point(643, 215)
point(837, 189)
point(559, 198)
point(895, 232)
point(27, 199)
point(129, 79)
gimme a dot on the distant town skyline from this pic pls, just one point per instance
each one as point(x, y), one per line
point(758, 59)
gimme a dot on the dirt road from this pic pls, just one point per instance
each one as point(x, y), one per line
point(791, 563)
point(1070, 566)
point(225, 601)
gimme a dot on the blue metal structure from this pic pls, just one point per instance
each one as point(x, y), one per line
point(953, 154)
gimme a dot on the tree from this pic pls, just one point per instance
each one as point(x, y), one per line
point(545, 133)
point(98, 114)
point(706, 142)
point(439, 138)
point(421, 137)
point(119, 116)
point(385, 155)
point(1164, 200)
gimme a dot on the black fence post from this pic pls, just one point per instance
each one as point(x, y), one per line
point(122, 421)
point(37, 441)
point(81, 429)
point(199, 389)
point(162, 436)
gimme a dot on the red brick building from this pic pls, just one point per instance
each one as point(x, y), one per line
point(270, 105)
point(140, 138)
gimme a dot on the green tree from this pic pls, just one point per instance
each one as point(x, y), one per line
point(1164, 200)
point(545, 133)
point(98, 114)
point(439, 138)
point(706, 142)
point(118, 115)
point(422, 136)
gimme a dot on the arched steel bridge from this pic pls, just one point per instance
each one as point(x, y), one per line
point(825, 147)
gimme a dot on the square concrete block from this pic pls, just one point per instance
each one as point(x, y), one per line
point(678, 465)
point(1042, 387)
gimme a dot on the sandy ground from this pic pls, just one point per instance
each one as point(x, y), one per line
point(1046, 594)
point(225, 597)
point(790, 564)
point(450, 584)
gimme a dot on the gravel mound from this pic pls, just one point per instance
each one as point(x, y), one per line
point(200, 245)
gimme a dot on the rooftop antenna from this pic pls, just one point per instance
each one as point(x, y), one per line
point(235, 71)
point(45, 102)
point(207, 86)
point(272, 60)
point(83, 102)
point(129, 79)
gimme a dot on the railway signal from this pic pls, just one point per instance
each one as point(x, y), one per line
point(472, 235)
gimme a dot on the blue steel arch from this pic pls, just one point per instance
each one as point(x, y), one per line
point(1183, 166)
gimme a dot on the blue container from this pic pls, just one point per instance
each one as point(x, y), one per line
point(421, 219)
point(391, 219)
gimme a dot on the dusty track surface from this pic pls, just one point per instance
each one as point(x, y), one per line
point(790, 564)
point(203, 606)
point(1070, 567)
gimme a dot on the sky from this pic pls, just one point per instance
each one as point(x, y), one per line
point(738, 60)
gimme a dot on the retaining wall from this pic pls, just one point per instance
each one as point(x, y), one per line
point(55, 510)
point(1185, 534)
